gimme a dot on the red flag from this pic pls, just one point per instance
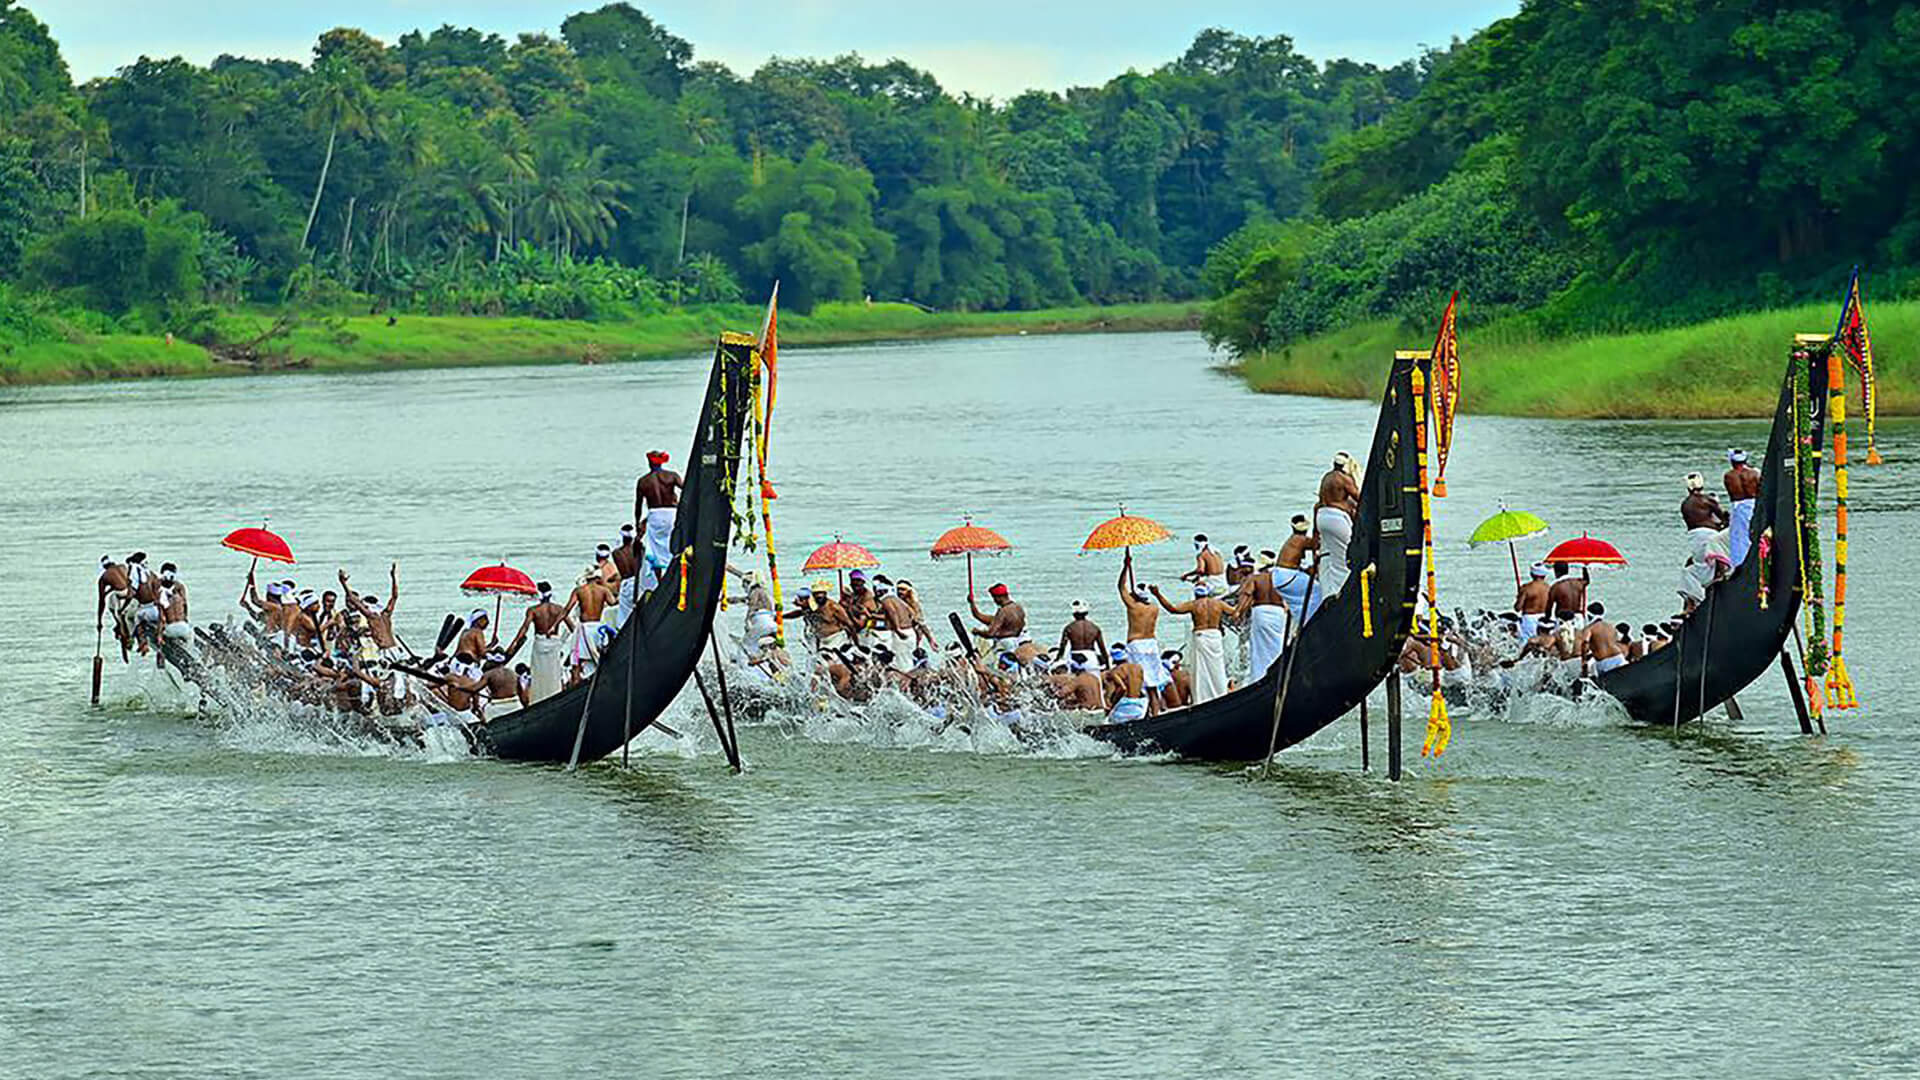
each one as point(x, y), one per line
point(1853, 339)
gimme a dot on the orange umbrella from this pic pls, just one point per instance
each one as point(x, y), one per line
point(969, 540)
point(840, 556)
point(1125, 531)
point(500, 580)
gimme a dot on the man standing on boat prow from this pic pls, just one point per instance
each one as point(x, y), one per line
point(1292, 573)
point(1007, 626)
point(1209, 647)
point(656, 499)
point(116, 594)
point(1143, 648)
point(1083, 635)
point(1743, 487)
point(1333, 515)
point(546, 620)
point(1268, 616)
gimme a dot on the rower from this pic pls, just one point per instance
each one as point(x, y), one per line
point(1531, 600)
point(1208, 680)
point(893, 624)
point(825, 617)
point(545, 621)
point(656, 500)
point(1143, 647)
point(1292, 569)
point(145, 585)
point(603, 560)
point(303, 624)
point(1268, 616)
point(1545, 640)
point(172, 601)
point(379, 619)
point(1082, 634)
point(590, 600)
point(1706, 526)
point(116, 595)
point(1006, 628)
point(1239, 567)
point(1125, 687)
point(626, 563)
point(1743, 487)
point(860, 603)
point(329, 617)
point(1208, 565)
point(459, 689)
point(475, 640)
point(1567, 597)
point(1333, 516)
point(1599, 641)
point(1082, 687)
point(500, 684)
point(1178, 693)
point(761, 630)
point(911, 597)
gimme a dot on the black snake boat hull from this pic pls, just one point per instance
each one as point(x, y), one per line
point(1731, 639)
point(1339, 662)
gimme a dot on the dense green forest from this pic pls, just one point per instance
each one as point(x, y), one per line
point(605, 172)
point(1607, 166)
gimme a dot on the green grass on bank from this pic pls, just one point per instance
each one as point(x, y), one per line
point(1727, 367)
point(362, 343)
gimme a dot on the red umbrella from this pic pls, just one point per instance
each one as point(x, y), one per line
point(1588, 551)
point(839, 556)
point(969, 540)
point(499, 580)
point(259, 543)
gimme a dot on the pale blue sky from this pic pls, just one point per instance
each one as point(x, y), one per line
point(990, 47)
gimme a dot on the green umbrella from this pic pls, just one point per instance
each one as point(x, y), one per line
point(1504, 528)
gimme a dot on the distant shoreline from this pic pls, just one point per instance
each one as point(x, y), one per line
point(368, 343)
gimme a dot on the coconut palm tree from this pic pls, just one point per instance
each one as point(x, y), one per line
point(336, 98)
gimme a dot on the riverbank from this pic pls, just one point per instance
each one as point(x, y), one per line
point(365, 343)
point(1727, 367)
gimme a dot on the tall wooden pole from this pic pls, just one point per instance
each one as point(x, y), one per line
point(1393, 725)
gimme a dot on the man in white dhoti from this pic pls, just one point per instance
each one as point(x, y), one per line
point(1268, 622)
point(1531, 601)
point(1333, 518)
point(1743, 487)
point(1125, 685)
point(1143, 648)
point(1209, 651)
point(1209, 566)
point(656, 500)
point(1706, 526)
point(545, 623)
point(893, 626)
point(1006, 628)
point(116, 599)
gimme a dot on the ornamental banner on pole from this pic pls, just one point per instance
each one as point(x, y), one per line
point(1852, 337)
point(1446, 392)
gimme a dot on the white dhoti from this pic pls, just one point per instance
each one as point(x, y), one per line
point(1208, 658)
point(545, 666)
point(1336, 532)
point(1009, 644)
point(1740, 531)
point(657, 545)
point(1146, 653)
point(900, 643)
point(177, 631)
point(149, 613)
point(834, 641)
point(1697, 574)
point(629, 599)
point(586, 648)
point(397, 683)
point(124, 610)
point(759, 632)
point(1216, 584)
point(1293, 585)
point(1601, 667)
point(1266, 638)
point(1529, 626)
point(1128, 708)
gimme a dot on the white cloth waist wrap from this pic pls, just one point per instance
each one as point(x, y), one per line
point(1146, 653)
point(1529, 626)
point(123, 608)
point(1266, 638)
point(1740, 531)
point(760, 629)
point(545, 666)
point(658, 543)
point(629, 599)
point(1697, 574)
point(1009, 644)
point(1298, 589)
point(1128, 708)
point(1208, 658)
point(901, 642)
point(1336, 532)
point(1603, 666)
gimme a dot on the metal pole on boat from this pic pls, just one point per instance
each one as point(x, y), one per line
point(1793, 690)
point(1679, 671)
point(1286, 681)
point(1364, 765)
point(626, 716)
point(729, 739)
point(1393, 724)
point(1706, 656)
point(580, 734)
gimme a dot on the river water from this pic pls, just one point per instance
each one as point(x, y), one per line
point(1557, 895)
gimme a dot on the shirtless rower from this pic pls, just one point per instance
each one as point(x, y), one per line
point(1567, 597)
point(861, 605)
point(1125, 687)
point(478, 637)
point(921, 632)
point(1531, 600)
point(893, 626)
point(626, 564)
point(1268, 619)
point(1209, 672)
point(378, 615)
point(589, 601)
point(1707, 536)
point(1178, 693)
point(459, 688)
point(827, 618)
point(1293, 569)
point(503, 685)
point(1333, 515)
point(545, 620)
point(116, 595)
point(656, 498)
point(1143, 647)
point(1082, 634)
point(146, 594)
point(1742, 482)
point(1240, 567)
point(1208, 565)
point(609, 572)
point(1006, 628)
point(1599, 641)
point(173, 606)
point(1082, 687)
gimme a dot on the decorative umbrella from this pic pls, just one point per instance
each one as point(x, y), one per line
point(1587, 550)
point(259, 543)
point(1125, 531)
point(1506, 527)
point(840, 556)
point(969, 540)
point(498, 580)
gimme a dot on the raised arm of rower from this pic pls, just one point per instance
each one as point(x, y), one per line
point(1182, 608)
point(393, 595)
point(974, 606)
point(353, 598)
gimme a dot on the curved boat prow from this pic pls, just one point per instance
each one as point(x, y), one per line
point(1353, 640)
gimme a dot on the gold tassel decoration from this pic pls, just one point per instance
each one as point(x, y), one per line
point(1366, 602)
point(1840, 693)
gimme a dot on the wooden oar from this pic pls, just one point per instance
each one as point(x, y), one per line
point(97, 662)
point(966, 636)
point(1286, 682)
